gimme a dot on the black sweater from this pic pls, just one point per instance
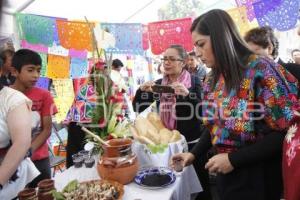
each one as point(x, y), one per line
point(188, 123)
point(267, 148)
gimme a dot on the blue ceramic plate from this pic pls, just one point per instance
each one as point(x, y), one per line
point(155, 177)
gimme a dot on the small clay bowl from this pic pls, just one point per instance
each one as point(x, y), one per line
point(27, 193)
point(78, 162)
point(89, 163)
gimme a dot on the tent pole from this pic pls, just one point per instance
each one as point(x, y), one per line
point(25, 5)
point(20, 9)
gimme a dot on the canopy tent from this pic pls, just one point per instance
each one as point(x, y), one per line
point(112, 11)
point(120, 11)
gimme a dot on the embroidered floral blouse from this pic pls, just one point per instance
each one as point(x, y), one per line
point(264, 94)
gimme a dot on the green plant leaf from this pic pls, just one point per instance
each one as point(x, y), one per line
point(71, 186)
point(112, 124)
point(57, 195)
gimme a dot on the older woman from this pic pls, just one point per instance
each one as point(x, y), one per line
point(247, 108)
point(185, 98)
point(262, 41)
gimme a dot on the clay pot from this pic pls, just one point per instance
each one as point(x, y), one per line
point(44, 189)
point(118, 163)
point(46, 184)
point(118, 148)
point(27, 194)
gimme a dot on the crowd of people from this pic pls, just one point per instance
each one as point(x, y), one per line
point(235, 116)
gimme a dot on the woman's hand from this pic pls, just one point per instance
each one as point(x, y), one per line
point(219, 164)
point(146, 87)
point(185, 159)
point(180, 89)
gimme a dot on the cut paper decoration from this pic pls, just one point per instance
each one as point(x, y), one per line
point(63, 105)
point(74, 35)
point(128, 37)
point(165, 33)
point(58, 50)
point(43, 82)
point(78, 83)
point(35, 47)
point(63, 88)
point(239, 16)
point(58, 67)
point(145, 37)
point(36, 29)
point(282, 17)
point(64, 97)
point(73, 53)
point(85, 100)
point(44, 64)
point(265, 6)
point(79, 68)
point(104, 39)
point(249, 7)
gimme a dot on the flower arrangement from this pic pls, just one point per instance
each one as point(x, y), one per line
point(108, 121)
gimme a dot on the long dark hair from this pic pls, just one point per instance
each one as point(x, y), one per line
point(230, 50)
point(1, 66)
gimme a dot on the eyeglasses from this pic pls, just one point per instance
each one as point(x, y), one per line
point(170, 59)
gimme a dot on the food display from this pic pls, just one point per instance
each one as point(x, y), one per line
point(91, 190)
point(155, 177)
point(151, 131)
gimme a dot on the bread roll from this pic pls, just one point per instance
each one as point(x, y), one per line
point(145, 140)
point(154, 118)
point(165, 136)
point(153, 135)
point(175, 136)
point(140, 125)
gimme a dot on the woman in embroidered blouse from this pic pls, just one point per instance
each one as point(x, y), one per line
point(246, 107)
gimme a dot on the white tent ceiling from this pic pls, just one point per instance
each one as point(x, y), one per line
point(140, 11)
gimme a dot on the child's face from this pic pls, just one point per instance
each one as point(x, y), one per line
point(29, 75)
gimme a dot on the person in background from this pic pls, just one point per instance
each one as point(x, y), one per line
point(75, 119)
point(122, 95)
point(296, 56)
point(7, 78)
point(27, 67)
point(117, 65)
point(241, 110)
point(195, 66)
point(263, 42)
point(16, 169)
point(291, 157)
point(187, 95)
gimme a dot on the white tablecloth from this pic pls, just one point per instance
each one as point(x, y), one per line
point(186, 184)
point(147, 158)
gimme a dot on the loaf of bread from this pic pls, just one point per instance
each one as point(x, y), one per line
point(165, 136)
point(175, 136)
point(154, 118)
point(151, 130)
